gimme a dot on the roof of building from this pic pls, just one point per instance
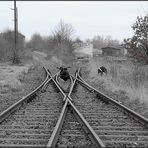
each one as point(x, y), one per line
point(113, 48)
point(12, 32)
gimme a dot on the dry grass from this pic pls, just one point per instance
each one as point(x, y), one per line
point(20, 84)
point(126, 82)
point(10, 77)
point(126, 76)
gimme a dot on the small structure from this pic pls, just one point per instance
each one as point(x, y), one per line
point(113, 51)
point(86, 51)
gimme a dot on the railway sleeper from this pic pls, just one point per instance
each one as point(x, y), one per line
point(24, 141)
point(123, 132)
point(112, 132)
point(127, 144)
point(28, 136)
point(121, 107)
point(114, 122)
point(32, 120)
point(118, 128)
point(25, 131)
point(124, 137)
point(74, 136)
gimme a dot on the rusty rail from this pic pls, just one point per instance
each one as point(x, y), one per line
point(125, 109)
point(71, 80)
point(15, 106)
point(54, 137)
point(90, 132)
point(57, 85)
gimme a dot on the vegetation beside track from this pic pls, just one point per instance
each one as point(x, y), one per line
point(131, 94)
point(29, 81)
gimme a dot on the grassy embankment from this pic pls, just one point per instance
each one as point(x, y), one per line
point(126, 82)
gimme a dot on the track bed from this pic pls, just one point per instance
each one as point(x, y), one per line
point(114, 127)
point(72, 133)
point(33, 123)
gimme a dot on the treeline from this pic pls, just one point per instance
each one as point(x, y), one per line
point(7, 50)
point(100, 41)
point(60, 43)
point(137, 45)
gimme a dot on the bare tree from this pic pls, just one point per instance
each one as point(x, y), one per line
point(35, 42)
point(63, 39)
point(63, 32)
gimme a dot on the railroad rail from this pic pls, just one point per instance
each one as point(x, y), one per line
point(55, 140)
point(35, 122)
point(65, 87)
point(15, 106)
point(115, 124)
point(79, 117)
point(30, 121)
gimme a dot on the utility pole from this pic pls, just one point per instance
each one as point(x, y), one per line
point(15, 26)
point(15, 58)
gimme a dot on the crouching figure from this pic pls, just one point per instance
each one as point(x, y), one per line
point(102, 70)
point(64, 74)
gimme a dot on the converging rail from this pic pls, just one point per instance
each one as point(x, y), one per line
point(130, 112)
point(15, 106)
point(30, 121)
point(65, 86)
point(69, 108)
point(76, 115)
point(115, 124)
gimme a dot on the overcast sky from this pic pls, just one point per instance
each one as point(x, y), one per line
point(89, 18)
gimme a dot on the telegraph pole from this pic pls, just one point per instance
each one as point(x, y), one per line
point(15, 58)
point(15, 26)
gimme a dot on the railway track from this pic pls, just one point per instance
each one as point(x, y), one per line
point(78, 117)
point(72, 129)
point(37, 120)
point(115, 124)
point(31, 120)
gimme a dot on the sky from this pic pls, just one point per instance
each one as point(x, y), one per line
point(89, 18)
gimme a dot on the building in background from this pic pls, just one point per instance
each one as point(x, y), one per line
point(114, 51)
point(85, 51)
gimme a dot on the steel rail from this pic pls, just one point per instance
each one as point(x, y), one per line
point(15, 106)
point(82, 83)
point(55, 134)
point(104, 97)
point(57, 85)
point(56, 78)
point(90, 132)
point(45, 84)
point(72, 86)
point(71, 80)
point(88, 129)
point(54, 137)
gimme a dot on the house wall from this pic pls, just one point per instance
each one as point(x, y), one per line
point(85, 51)
point(111, 52)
